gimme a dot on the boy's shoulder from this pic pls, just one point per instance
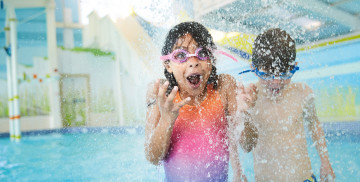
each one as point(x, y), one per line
point(301, 89)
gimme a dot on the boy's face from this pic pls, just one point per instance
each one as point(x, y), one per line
point(191, 75)
point(275, 84)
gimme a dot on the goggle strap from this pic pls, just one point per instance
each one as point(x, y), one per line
point(246, 71)
point(296, 68)
point(166, 57)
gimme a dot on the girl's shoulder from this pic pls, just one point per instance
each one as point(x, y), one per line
point(225, 80)
point(227, 90)
point(226, 84)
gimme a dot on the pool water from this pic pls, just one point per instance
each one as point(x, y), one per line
point(75, 157)
point(109, 156)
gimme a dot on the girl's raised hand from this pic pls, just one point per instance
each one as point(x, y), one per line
point(167, 107)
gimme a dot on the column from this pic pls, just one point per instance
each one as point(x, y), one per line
point(54, 91)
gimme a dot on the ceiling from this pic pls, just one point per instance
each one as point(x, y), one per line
point(306, 20)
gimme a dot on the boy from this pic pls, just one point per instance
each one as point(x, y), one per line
point(280, 112)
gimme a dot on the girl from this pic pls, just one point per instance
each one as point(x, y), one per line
point(191, 116)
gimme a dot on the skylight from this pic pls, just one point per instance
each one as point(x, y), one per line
point(307, 23)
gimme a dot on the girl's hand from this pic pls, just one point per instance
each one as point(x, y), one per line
point(326, 172)
point(167, 107)
point(246, 97)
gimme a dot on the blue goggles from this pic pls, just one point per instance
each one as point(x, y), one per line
point(269, 76)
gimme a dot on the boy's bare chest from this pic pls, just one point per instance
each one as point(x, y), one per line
point(281, 116)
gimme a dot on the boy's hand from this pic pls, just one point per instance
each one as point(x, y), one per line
point(246, 97)
point(326, 172)
point(239, 178)
point(249, 137)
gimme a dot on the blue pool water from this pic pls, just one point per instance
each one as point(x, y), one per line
point(117, 155)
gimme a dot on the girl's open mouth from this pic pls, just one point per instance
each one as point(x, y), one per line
point(194, 80)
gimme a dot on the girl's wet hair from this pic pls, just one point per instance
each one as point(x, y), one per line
point(274, 50)
point(202, 37)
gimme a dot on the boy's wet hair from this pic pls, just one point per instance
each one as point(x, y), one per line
point(201, 36)
point(274, 51)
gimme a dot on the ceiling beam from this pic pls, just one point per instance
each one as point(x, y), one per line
point(332, 12)
point(26, 3)
point(69, 25)
point(339, 2)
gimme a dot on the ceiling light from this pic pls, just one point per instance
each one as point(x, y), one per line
point(307, 23)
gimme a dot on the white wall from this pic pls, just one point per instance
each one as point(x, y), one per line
point(135, 57)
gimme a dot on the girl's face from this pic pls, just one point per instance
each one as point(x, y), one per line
point(193, 74)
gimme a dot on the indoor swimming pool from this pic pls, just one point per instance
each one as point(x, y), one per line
point(116, 154)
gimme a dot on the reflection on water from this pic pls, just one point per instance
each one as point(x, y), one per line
point(105, 155)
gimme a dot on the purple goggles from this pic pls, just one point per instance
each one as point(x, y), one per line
point(181, 55)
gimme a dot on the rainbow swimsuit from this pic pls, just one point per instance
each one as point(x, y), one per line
point(199, 144)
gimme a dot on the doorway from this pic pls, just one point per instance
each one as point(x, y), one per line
point(75, 100)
